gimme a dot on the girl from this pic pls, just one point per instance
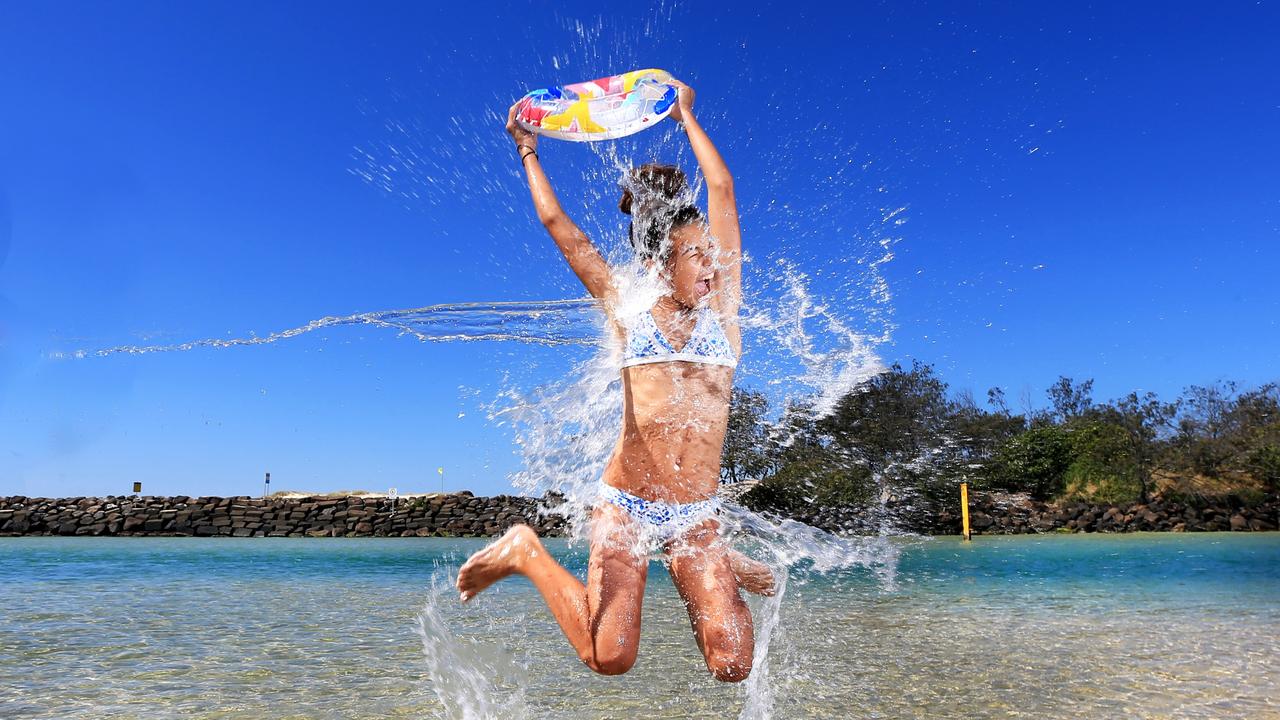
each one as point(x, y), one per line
point(659, 485)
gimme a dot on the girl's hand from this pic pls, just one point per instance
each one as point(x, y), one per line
point(684, 101)
point(523, 138)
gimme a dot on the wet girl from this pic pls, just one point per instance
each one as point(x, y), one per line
point(659, 486)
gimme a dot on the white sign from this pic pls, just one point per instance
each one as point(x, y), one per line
point(391, 493)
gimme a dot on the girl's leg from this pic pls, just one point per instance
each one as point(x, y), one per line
point(601, 619)
point(703, 573)
point(751, 575)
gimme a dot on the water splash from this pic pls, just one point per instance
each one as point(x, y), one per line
point(472, 681)
point(759, 687)
point(798, 344)
point(548, 322)
point(812, 325)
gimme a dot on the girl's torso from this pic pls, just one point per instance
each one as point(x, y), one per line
point(676, 381)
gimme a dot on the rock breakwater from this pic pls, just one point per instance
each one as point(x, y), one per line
point(465, 515)
point(1014, 514)
point(459, 515)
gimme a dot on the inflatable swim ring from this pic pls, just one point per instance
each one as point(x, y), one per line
point(603, 109)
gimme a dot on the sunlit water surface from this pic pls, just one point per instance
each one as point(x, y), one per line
point(1143, 626)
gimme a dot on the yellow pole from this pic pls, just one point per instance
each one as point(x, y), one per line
point(964, 510)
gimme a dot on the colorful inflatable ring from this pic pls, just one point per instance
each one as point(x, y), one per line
point(603, 109)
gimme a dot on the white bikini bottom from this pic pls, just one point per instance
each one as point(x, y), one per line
point(661, 521)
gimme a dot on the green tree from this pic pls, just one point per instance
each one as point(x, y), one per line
point(892, 420)
point(1208, 432)
point(977, 437)
point(1035, 462)
point(1256, 415)
point(901, 432)
point(811, 483)
point(746, 441)
point(1102, 468)
point(1258, 409)
point(1145, 421)
point(1263, 463)
point(1069, 400)
point(997, 401)
point(795, 437)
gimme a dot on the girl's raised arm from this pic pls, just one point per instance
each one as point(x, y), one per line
point(722, 204)
point(583, 257)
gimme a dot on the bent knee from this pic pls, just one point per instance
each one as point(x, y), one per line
point(729, 668)
point(611, 666)
point(615, 662)
point(729, 656)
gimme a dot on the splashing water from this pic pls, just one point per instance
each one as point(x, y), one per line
point(796, 344)
point(566, 430)
point(811, 327)
point(552, 322)
point(471, 680)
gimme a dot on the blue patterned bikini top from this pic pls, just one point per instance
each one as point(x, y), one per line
point(707, 343)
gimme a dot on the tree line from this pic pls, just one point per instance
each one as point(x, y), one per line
point(905, 433)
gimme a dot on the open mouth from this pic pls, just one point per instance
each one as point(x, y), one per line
point(703, 287)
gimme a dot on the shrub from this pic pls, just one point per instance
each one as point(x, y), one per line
point(1035, 462)
point(806, 485)
point(1102, 467)
point(1264, 464)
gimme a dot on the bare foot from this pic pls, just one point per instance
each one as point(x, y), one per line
point(752, 575)
point(499, 559)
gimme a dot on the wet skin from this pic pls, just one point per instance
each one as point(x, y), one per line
point(675, 413)
point(674, 419)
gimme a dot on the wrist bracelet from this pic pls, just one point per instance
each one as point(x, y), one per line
point(525, 155)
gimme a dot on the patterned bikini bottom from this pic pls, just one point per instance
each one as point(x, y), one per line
point(660, 521)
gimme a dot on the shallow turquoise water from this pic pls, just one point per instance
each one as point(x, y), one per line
point(1146, 626)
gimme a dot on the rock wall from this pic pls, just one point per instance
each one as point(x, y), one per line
point(1011, 514)
point(458, 514)
point(463, 515)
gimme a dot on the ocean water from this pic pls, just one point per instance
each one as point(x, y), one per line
point(1132, 626)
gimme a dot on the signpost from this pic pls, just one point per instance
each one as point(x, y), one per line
point(441, 471)
point(266, 486)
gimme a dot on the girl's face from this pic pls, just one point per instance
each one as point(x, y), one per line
point(690, 266)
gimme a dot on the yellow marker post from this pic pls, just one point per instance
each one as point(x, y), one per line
point(964, 511)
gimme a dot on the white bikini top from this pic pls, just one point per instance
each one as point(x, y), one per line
point(707, 343)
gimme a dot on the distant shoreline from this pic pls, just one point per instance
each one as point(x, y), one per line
point(462, 514)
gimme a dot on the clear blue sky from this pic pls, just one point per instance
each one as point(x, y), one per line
point(1088, 191)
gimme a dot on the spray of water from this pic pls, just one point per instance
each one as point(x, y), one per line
point(472, 681)
point(551, 322)
point(812, 323)
point(798, 346)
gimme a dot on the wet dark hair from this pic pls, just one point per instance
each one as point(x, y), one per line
point(658, 199)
